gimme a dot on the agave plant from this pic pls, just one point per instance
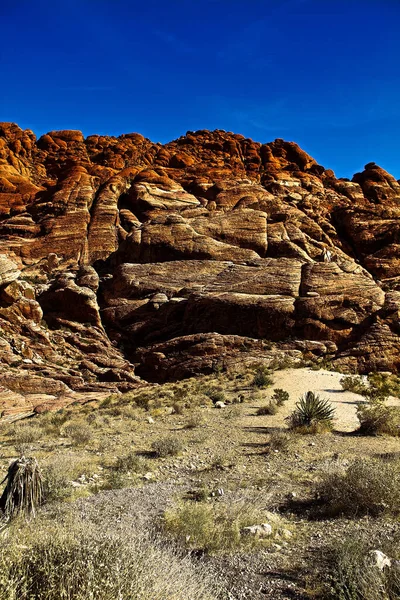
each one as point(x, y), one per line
point(311, 410)
point(24, 488)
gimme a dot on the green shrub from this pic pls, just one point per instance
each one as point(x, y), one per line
point(262, 378)
point(376, 418)
point(167, 446)
point(312, 414)
point(280, 396)
point(365, 487)
point(215, 395)
point(56, 484)
point(353, 383)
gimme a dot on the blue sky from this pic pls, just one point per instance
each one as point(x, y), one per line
point(323, 73)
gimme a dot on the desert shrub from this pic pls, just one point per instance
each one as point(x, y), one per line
point(195, 419)
point(212, 527)
point(56, 483)
point(376, 418)
point(79, 433)
point(61, 470)
point(179, 408)
point(353, 383)
point(279, 440)
point(312, 414)
point(378, 387)
point(353, 575)
point(262, 378)
point(167, 446)
point(280, 396)
point(80, 561)
point(130, 462)
point(232, 412)
point(215, 395)
point(25, 433)
point(269, 409)
point(365, 487)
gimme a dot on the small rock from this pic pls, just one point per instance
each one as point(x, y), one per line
point(219, 404)
point(148, 476)
point(286, 533)
point(263, 530)
point(150, 420)
point(379, 559)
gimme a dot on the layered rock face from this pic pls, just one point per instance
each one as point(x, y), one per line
point(123, 260)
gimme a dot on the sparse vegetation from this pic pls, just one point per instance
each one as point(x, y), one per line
point(376, 418)
point(279, 440)
point(365, 487)
point(269, 409)
point(262, 378)
point(80, 433)
point(80, 561)
point(353, 574)
point(280, 396)
point(167, 446)
point(212, 527)
point(195, 419)
point(312, 414)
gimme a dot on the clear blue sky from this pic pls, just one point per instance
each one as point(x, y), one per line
point(323, 73)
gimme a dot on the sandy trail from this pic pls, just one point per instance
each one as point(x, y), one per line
point(327, 384)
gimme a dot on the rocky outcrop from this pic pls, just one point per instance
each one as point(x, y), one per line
point(121, 256)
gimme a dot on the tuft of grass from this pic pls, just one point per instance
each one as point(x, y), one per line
point(80, 433)
point(167, 446)
point(365, 487)
point(25, 433)
point(279, 440)
point(130, 463)
point(312, 415)
point(262, 378)
point(213, 528)
point(270, 409)
point(195, 419)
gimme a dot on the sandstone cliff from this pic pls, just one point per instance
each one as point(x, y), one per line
point(122, 259)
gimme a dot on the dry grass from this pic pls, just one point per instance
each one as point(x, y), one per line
point(365, 487)
point(167, 446)
point(213, 527)
point(352, 573)
point(77, 560)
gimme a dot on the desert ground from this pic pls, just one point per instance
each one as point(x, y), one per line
point(167, 463)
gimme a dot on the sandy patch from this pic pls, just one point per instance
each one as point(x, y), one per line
point(327, 384)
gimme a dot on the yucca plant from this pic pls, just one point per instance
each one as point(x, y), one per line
point(24, 488)
point(312, 413)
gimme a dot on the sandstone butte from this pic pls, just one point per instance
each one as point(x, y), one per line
point(124, 261)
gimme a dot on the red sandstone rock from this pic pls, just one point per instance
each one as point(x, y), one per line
point(227, 236)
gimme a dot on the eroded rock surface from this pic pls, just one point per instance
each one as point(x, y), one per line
point(119, 254)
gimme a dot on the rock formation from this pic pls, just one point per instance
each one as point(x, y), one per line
point(122, 260)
